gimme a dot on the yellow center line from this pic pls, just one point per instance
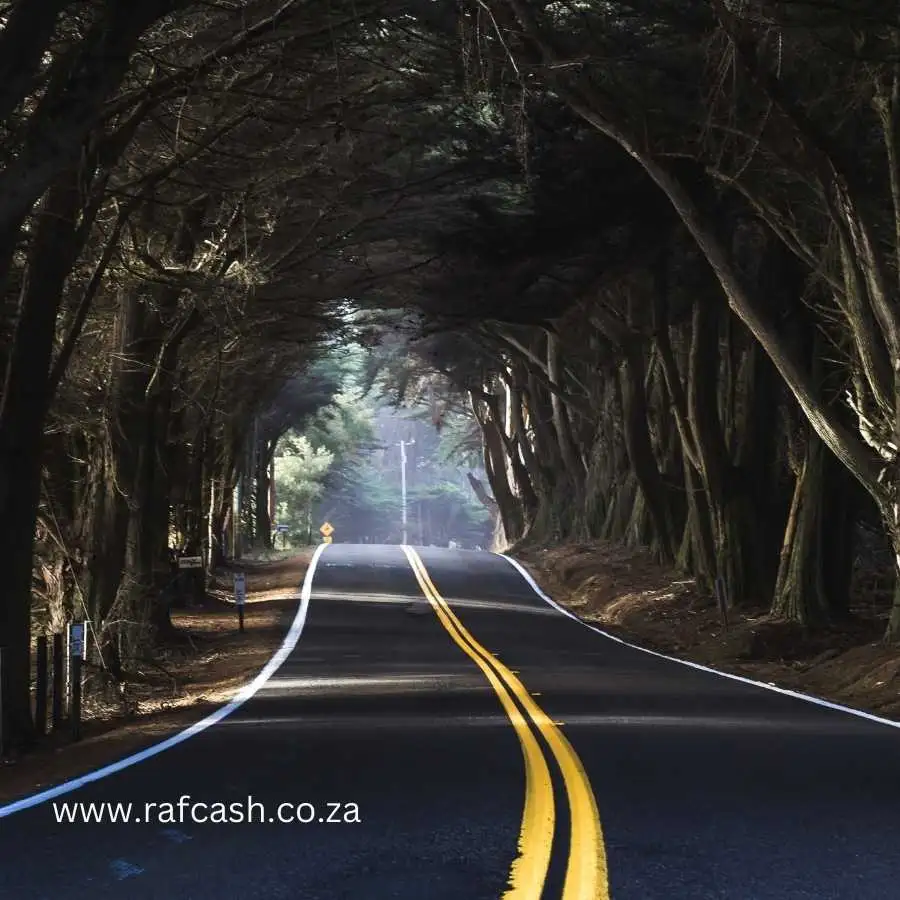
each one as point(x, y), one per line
point(529, 870)
point(587, 876)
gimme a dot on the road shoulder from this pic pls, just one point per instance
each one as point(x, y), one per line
point(624, 592)
point(186, 681)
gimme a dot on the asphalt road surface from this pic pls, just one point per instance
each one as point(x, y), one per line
point(464, 740)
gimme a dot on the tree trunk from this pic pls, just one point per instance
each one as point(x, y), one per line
point(567, 447)
point(22, 414)
point(220, 518)
point(640, 449)
point(800, 593)
point(715, 471)
point(697, 553)
point(512, 433)
point(263, 489)
point(520, 408)
point(496, 470)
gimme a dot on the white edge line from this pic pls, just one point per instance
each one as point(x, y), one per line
point(239, 699)
point(818, 701)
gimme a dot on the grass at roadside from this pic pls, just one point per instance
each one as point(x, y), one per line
point(624, 592)
point(183, 682)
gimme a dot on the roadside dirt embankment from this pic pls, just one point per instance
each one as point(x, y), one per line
point(624, 592)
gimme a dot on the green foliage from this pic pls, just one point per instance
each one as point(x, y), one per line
point(299, 470)
point(343, 427)
point(305, 459)
point(460, 442)
point(447, 512)
point(343, 465)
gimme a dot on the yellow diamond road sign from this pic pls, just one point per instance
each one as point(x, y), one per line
point(327, 529)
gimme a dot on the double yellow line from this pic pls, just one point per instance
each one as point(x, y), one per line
point(586, 875)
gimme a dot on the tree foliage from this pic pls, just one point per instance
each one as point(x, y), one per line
point(643, 259)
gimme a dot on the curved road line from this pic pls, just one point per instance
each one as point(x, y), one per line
point(529, 869)
point(787, 692)
point(587, 875)
point(242, 696)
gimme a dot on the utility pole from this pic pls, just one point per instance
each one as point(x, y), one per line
point(403, 446)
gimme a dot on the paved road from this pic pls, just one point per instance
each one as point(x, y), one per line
point(421, 699)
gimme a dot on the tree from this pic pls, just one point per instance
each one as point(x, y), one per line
point(657, 303)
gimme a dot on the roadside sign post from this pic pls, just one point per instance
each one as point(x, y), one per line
point(240, 596)
point(191, 580)
point(283, 530)
point(76, 654)
point(327, 530)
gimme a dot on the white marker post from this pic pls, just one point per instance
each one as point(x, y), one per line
point(76, 654)
point(76, 640)
point(240, 596)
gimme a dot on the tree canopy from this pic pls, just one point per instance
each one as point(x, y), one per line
point(642, 259)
